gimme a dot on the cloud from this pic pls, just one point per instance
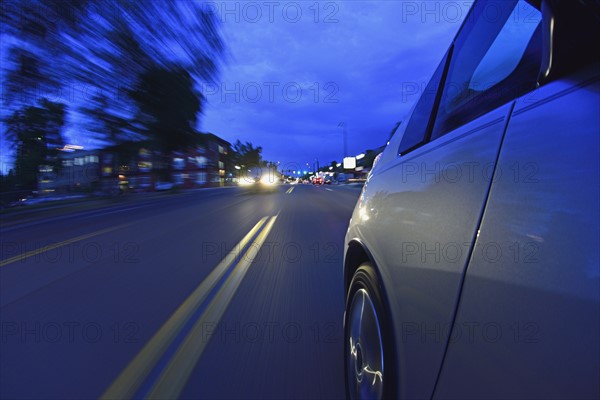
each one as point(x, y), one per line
point(289, 84)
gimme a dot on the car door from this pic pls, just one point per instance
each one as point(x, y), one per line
point(528, 324)
point(422, 205)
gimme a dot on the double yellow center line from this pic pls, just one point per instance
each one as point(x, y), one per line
point(174, 376)
point(289, 191)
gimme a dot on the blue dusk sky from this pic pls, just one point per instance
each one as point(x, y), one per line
point(295, 70)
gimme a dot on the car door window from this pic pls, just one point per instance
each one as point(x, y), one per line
point(418, 128)
point(507, 50)
point(497, 57)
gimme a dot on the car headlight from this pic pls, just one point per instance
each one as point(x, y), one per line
point(266, 181)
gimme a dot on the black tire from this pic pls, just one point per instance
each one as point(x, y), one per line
point(362, 380)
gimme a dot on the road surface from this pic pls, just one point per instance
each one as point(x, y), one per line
point(203, 294)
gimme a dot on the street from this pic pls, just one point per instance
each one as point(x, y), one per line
point(213, 293)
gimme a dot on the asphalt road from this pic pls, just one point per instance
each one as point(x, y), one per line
point(205, 294)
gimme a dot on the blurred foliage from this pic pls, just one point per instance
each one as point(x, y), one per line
point(246, 154)
point(36, 130)
point(7, 182)
point(106, 126)
point(168, 107)
point(127, 70)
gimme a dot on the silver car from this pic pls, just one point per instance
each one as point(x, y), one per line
point(471, 261)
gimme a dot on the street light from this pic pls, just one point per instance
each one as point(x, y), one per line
point(237, 167)
point(362, 155)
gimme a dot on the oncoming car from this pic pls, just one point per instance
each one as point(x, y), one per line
point(257, 179)
point(471, 262)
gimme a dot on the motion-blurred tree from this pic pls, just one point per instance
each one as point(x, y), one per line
point(7, 182)
point(169, 107)
point(33, 38)
point(105, 123)
point(91, 53)
point(246, 154)
point(36, 134)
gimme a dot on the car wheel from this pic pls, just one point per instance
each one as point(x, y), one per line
point(367, 348)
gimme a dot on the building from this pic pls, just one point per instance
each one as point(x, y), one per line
point(133, 166)
point(217, 151)
point(79, 171)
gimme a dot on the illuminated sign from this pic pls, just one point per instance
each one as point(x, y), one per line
point(349, 162)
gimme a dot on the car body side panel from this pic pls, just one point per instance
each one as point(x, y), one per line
point(427, 205)
point(529, 317)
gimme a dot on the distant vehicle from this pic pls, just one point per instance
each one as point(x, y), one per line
point(317, 180)
point(471, 266)
point(259, 179)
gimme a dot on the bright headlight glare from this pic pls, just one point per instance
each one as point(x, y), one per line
point(266, 181)
point(246, 181)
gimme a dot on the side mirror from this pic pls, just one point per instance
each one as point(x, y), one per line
point(571, 37)
point(547, 39)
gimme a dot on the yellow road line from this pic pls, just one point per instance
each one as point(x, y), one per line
point(57, 245)
point(130, 379)
point(173, 379)
point(290, 190)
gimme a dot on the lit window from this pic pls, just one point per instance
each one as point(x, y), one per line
point(201, 178)
point(144, 165)
point(178, 163)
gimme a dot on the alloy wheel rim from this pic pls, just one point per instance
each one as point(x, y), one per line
point(364, 349)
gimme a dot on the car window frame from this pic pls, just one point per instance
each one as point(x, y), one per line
point(474, 109)
point(449, 56)
point(426, 136)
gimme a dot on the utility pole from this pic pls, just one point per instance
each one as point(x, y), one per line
point(343, 126)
